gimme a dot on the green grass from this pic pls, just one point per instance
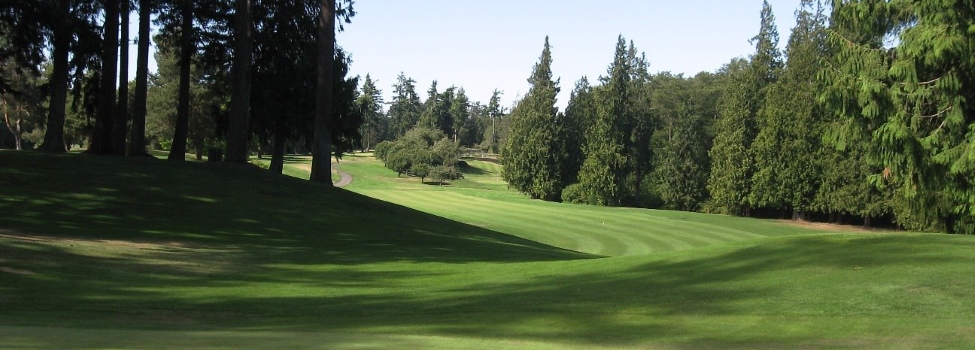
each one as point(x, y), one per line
point(102, 252)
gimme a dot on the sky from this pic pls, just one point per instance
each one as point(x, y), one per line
point(487, 45)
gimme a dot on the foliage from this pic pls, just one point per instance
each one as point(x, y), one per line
point(911, 102)
point(605, 168)
point(534, 152)
point(423, 153)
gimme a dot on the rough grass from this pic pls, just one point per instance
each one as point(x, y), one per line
point(99, 252)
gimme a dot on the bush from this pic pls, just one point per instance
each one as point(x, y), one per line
point(443, 173)
point(574, 194)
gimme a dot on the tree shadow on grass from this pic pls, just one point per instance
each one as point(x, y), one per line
point(213, 247)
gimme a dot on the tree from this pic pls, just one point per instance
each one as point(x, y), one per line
point(495, 112)
point(370, 104)
point(422, 152)
point(731, 157)
point(321, 170)
point(238, 133)
point(787, 148)
point(404, 110)
point(605, 169)
point(177, 151)
point(103, 137)
point(531, 156)
point(731, 164)
point(137, 140)
point(912, 102)
point(580, 115)
point(680, 142)
point(120, 127)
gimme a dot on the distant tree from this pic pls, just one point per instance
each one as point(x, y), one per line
point(405, 108)
point(370, 104)
point(464, 128)
point(495, 112)
point(603, 173)
point(20, 100)
point(532, 155)
point(422, 152)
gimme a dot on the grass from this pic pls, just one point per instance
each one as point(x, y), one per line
point(99, 252)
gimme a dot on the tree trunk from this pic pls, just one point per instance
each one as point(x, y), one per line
point(14, 127)
point(137, 141)
point(277, 154)
point(238, 131)
point(54, 133)
point(122, 114)
point(321, 168)
point(178, 150)
point(102, 140)
point(866, 221)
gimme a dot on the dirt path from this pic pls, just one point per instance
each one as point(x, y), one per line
point(345, 179)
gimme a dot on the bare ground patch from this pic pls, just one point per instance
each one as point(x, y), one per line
point(831, 227)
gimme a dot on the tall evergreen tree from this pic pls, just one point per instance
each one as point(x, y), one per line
point(321, 168)
point(405, 109)
point(531, 155)
point(603, 173)
point(495, 112)
point(102, 139)
point(787, 149)
point(370, 104)
point(913, 102)
point(238, 129)
point(137, 139)
point(580, 115)
point(732, 162)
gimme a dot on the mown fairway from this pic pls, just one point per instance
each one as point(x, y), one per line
point(102, 252)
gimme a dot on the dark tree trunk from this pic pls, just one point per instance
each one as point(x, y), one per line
point(54, 133)
point(238, 131)
point(277, 154)
point(321, 168)
point(137, 142)
point(102, 140)
point(122, 114)
point(178, 150)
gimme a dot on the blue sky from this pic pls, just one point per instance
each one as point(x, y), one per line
point(487, 45)
point(483, 45)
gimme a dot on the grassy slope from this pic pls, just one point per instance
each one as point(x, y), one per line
point(121, 253)
point(482, 199)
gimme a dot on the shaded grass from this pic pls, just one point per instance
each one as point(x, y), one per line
point(119, 253)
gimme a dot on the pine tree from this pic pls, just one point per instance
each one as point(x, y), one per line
point(787, 149)
point(404, 110)
point(603, 173)
point(531, 155)
point(733, 168)
point(580, 114)
point(913, 103)
point(370, 104)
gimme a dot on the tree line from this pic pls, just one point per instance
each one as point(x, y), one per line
point(864, 116)
point(244, 60)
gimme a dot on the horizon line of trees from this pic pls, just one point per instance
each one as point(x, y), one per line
point(864, 116)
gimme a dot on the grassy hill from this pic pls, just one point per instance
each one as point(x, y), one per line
point(100, 252)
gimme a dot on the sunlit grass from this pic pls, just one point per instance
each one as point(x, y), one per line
point(106, 252)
